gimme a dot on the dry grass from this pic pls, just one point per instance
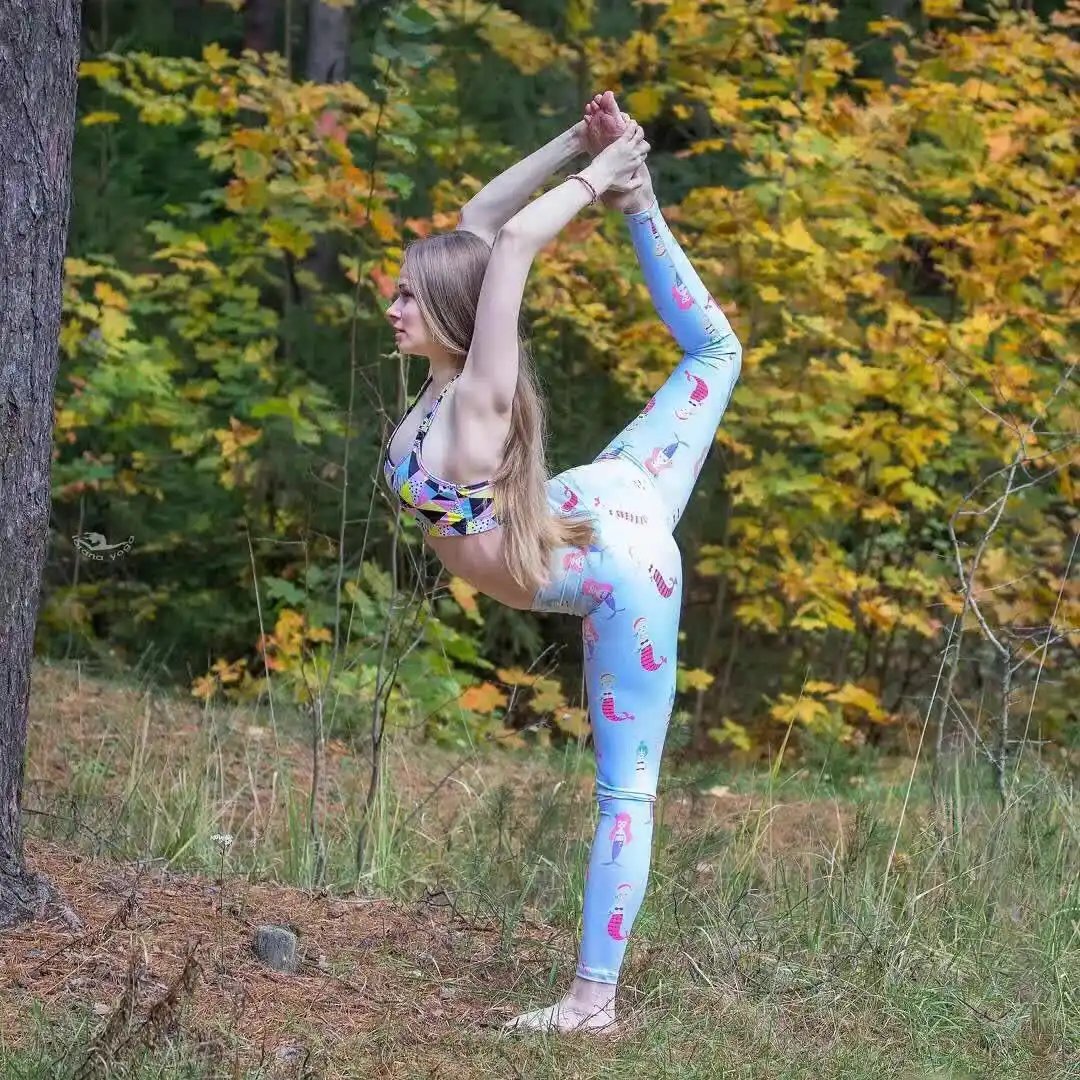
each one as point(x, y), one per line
point(768, 939)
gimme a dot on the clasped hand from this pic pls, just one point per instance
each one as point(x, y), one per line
point(616, 164)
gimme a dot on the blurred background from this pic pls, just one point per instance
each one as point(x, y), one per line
point(881, 196)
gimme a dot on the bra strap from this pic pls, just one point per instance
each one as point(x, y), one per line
point(427, 421)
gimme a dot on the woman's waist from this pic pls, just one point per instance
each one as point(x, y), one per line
point(480, 560)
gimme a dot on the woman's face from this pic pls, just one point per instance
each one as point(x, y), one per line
point(411, 333)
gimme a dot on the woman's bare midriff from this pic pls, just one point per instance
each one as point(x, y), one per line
point(480, 561)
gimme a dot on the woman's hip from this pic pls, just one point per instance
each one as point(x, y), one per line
point(633, 559)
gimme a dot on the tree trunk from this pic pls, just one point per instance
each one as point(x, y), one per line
point(327, 62)
point(39, 53)
point(261, 26)
point(327, 43)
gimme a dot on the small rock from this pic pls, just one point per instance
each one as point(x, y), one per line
point(101, 1009)
point(289, 1053)
point(276, 947)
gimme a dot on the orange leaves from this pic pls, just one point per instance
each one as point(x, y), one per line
point(484, 699)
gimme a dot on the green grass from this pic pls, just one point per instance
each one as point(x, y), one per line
point(959, 958)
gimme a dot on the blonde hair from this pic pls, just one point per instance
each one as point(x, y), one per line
point(445, 274)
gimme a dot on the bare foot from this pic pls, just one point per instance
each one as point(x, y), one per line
point(564, 1017)
point(604, 123)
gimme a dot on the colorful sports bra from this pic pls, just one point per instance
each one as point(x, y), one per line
point(441, 508)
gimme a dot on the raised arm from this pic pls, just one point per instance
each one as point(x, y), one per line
point(500, 199)
point(489, 379)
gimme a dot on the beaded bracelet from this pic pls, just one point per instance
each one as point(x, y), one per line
point(592, 190)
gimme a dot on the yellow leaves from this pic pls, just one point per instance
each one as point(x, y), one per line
point(693, 679)
point(730, 731)
point(236, 438)
point(161, 112)
point(465, 595)
point(286, 236)
point(215, 56)
point(941, 9)
point(516, 677)
point(574, 721)
point(880, 510)
point(98, 69)
point(484, 699)
point(892, 474)
point(645, 104)
point(100, 117)
point(723, 100)
point(879, 611)
point(1000, 146)
point(972, 333)
point(547, 698)
point(804, 710)
point(527, 47)
point(579, 16)
point(888, 26)
point(289, 630)
point(796, 237)
point(385, 225)
point(114, 325)
point(818, 714)
point(106, 294)
point(861, 700)
point(547, 695)
point(645, 48)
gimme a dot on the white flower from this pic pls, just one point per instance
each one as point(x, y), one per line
point(223, 841)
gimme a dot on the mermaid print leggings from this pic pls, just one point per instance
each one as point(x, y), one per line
point(627, 587)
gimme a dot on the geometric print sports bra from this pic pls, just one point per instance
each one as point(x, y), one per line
point(440, 507)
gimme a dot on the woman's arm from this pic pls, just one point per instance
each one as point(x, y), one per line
point(488, 381)
point(545, 217)
point(498, 201)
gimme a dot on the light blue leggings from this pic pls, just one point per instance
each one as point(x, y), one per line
point(627, 588)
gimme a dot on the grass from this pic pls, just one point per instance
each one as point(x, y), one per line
point(778, 938)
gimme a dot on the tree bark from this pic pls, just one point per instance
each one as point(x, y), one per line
point(39, 54)
point(327, 43)
point(327, 62)
point(261, 26)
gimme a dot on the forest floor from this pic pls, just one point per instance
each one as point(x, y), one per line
point(755, 961)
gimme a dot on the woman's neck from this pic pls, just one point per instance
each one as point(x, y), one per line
point(442, 371)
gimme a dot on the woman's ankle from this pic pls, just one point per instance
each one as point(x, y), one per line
point(597, 995)
point(640, 200)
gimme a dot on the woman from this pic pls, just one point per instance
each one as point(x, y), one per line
point(596, 540)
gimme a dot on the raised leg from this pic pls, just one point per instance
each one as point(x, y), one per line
point(671, 437)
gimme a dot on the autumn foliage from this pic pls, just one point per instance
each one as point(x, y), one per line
point(899, 257)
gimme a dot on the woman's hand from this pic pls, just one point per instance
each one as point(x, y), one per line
point(616, 164)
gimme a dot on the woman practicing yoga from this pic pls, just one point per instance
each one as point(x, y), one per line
point(596, 540)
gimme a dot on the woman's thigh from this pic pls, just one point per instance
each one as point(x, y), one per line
point(627, 588)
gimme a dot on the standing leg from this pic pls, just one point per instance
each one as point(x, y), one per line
point(630, 634)
point(630, 681)
point(670, 438)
